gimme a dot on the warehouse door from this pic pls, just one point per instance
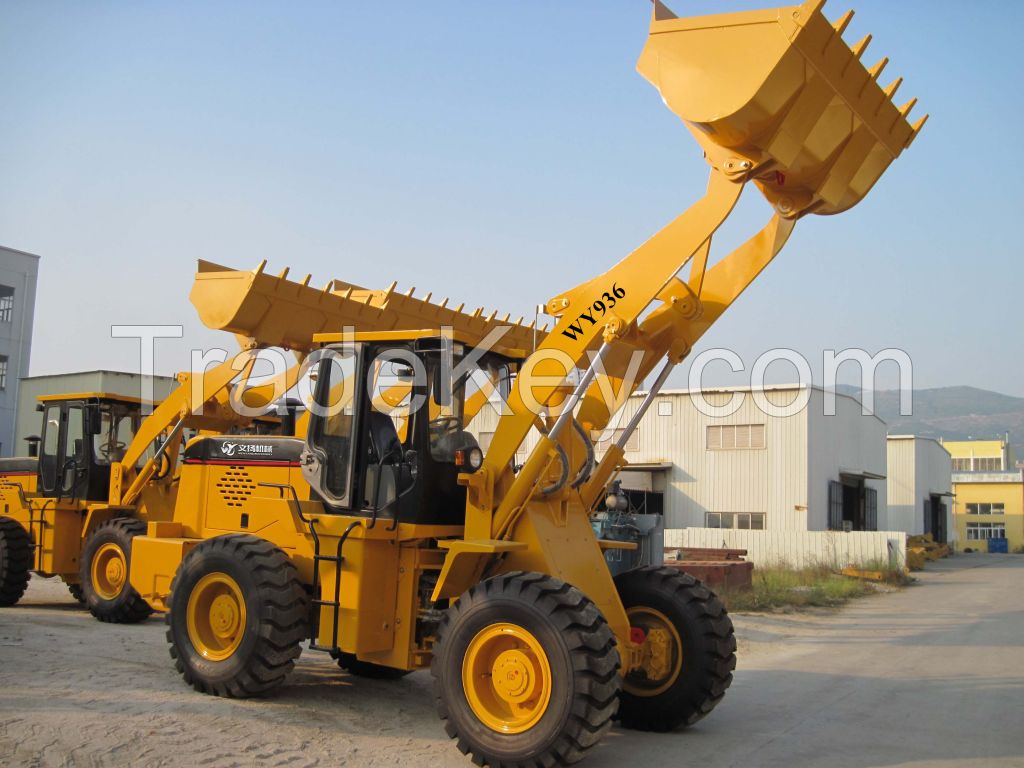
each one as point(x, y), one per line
point(935, 518)
point(852, 505)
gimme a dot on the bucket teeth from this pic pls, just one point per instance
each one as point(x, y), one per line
point(890, 90)
point(843, 22)
point(661, 12)
point(876, 70)
point(905, 109)
point(860, 46)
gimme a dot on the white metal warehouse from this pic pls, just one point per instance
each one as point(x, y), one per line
point(752, 469)
point(757, 469)
point(920, 487)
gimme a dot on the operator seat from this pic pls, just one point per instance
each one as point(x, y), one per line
point(385, 449)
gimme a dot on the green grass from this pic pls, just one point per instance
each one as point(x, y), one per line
point(785, 588)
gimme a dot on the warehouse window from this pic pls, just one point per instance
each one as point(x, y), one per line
point(983, 531)
point(6, 303)
point(961, 465)
point(988, 464)
point(664, 407)
point(747, 521)
point(3, 372)
point(985, 508)
point(607, 441)
point(724, 437)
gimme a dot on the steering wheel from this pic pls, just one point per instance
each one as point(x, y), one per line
point(106, 449)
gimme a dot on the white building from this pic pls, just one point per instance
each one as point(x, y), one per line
point(754, 468)
point(18, 274)
point(920, 487)
point(758, 467)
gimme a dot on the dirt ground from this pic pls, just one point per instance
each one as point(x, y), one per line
point(931, 675)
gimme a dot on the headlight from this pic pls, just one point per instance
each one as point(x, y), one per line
point(475, 458)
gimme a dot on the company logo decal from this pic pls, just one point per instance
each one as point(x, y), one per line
point(246, 449)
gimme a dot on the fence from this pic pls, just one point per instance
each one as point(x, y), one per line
point(799, 549)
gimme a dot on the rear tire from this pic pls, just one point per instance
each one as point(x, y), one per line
point(351, 664)
point(77, 593)
point(525, 672)
point(238, 615)
point(15, 561)
point(103, 574)
point(692, 679)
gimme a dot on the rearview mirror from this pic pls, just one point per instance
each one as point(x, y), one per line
point(94, 420)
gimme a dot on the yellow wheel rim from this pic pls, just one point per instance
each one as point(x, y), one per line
point(109, 571)
point(507, 678)
point(216, 616)
point(662, 653)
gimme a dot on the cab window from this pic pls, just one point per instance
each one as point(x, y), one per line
point(117, 429)
point(334, 432)
point(51, 442)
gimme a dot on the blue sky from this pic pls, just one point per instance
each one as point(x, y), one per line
point(497, 156)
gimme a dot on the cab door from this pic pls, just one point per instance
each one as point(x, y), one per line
point(64, 457)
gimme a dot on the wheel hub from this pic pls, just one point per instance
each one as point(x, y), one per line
point(506, 677)
point(115, 572)
point(514, 676)
point(224, 616)
point(661, 653)
point(109, 571)
point(215, 616)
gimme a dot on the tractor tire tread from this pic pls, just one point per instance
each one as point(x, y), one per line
point(717, 661)
point(15, 561)
point(594, 655)
point(279, 636)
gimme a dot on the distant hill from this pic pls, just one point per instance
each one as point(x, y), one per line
point(954, 413)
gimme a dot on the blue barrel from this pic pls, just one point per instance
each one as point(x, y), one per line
point(998, 545)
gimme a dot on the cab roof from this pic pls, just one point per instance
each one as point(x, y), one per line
point(415, 335)
point(105, 396)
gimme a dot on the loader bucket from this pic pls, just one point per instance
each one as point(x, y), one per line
point(277, 312)
point(781, 90)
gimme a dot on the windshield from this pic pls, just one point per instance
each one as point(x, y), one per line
point(465, 404)
point(117, 428)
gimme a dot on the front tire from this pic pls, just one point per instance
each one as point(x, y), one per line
point(15, 561)
point(690, 649)
point(103, 574)
point(525, 672)
point(238, 615)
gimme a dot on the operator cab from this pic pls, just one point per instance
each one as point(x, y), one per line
point(397, 417)
point(82, 435)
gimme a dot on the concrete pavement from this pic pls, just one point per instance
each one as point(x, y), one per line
point(932, 675)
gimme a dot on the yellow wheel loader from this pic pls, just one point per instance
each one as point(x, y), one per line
point(388, 537)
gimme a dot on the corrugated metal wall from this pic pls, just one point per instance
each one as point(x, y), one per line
point(904, 512)
point(771, 480)
point(801, 549)
point(787, 479)
point(845, 442)
point(918, 468)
